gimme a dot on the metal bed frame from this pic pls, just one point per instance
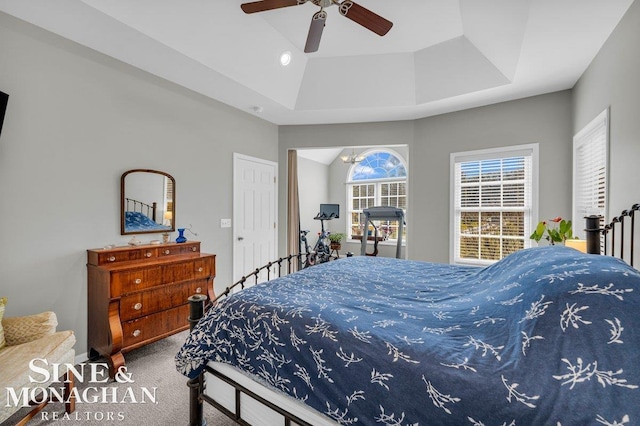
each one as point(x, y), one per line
point(602, 240)
point(596, 238)
point(198, 306)
point(148, 210)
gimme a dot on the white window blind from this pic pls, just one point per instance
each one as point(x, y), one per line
point(493, 192)
point(590, 149)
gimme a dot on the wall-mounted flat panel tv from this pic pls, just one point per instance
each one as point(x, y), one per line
point(4, 98)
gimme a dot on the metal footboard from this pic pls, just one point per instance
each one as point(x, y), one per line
point(253, 277)
point(198, 305)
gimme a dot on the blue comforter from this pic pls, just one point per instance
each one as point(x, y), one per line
point(547, 336)
point(138, 222)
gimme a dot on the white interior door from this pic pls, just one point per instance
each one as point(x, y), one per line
point(255, 213)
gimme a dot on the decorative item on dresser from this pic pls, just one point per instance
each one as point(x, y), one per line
point(138, 295)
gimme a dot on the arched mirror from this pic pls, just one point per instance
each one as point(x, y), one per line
point(148, 202)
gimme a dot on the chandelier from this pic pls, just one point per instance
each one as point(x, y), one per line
point(352, 158)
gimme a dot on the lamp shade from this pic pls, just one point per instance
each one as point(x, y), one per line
point(580, 245)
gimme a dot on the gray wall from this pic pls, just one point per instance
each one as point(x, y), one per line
point(77, 120)
point(541, 119)
point(430, 141)
point(312, 191)
point(613, 80)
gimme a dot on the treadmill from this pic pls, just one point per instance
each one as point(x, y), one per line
point(382, 213)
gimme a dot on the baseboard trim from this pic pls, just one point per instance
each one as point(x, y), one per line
point(80, 358)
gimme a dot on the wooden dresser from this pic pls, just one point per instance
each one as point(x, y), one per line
point(138, 295)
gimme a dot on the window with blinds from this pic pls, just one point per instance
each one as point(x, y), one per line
point(590, 151)
point(492, 199)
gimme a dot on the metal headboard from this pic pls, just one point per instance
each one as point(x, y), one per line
point(148, 210)
point(603, 240)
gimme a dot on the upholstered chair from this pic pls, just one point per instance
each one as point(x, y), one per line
point(25, 339)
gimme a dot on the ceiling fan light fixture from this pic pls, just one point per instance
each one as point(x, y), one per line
point(285, 58)
point(348, 8)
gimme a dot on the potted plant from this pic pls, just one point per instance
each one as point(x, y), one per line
point(336, 239)
point(555, 230)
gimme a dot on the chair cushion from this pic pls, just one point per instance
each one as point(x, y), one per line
point(14, 360)
point(19, 330)
point(3, 303)
point(14, 364)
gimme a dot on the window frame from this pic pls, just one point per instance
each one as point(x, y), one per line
point(599, 125)
point(377, 182)
point(527, 150)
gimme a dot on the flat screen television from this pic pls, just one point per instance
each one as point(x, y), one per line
point(4, 98)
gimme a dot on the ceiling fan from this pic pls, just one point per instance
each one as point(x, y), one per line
point(349, 9)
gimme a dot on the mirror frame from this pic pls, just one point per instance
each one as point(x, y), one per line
point(123, 204)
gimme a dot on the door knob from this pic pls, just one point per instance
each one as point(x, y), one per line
point(240, 238)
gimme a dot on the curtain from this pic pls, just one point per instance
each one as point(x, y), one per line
point(293, 204)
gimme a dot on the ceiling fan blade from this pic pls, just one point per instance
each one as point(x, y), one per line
point(315, 31)
point(365, 17)
point(261, 6)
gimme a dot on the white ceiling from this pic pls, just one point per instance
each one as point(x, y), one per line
point(320, 155)
point(440, 55)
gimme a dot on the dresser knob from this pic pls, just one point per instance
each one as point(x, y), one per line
point(194, 248)
point(138, 280)
point(137, 306)
point(136, 333)
point(167, 251)
point(200, 269)
point(148, 254)
point(112, 259)
point(199, 290)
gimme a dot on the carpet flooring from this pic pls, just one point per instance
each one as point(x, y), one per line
point(150, 367)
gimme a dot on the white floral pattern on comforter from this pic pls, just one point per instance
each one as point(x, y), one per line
point(545, 336)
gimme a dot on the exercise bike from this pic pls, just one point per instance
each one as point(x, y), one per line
point(321, 251)
point(310, 255)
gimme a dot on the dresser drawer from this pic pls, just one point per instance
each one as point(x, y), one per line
point(176, 249)
point(204, 267)
point(117, 256)
point(145, 328)
point(128, 254)
point(187, 270)
point(159, 299)
point(123, 282)
point(137, 279)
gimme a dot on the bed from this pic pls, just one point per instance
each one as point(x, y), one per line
point(141, 217)
point(548, 335)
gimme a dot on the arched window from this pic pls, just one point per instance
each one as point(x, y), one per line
point(380, 179)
